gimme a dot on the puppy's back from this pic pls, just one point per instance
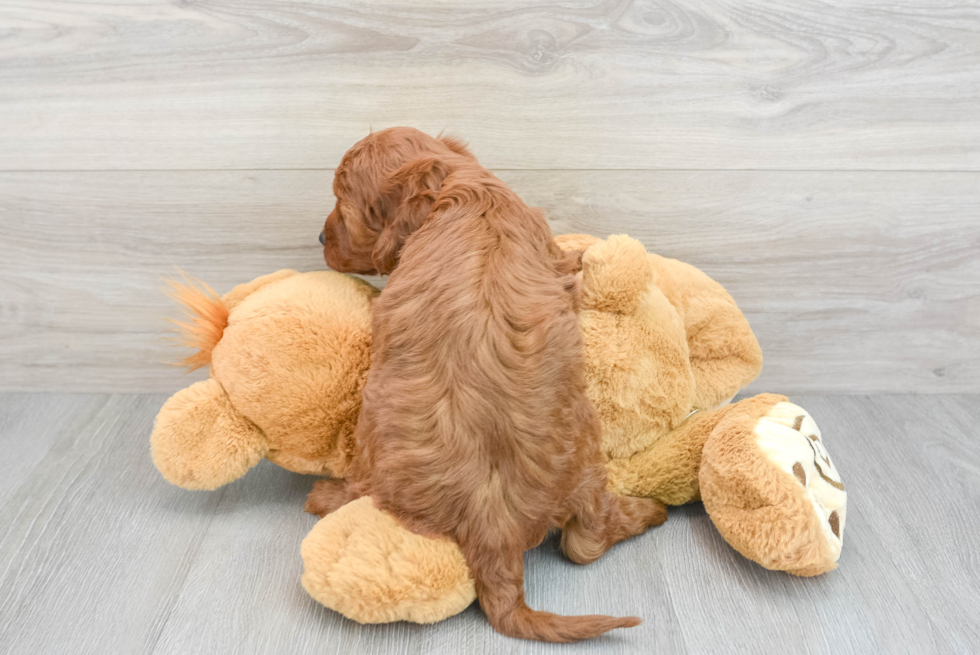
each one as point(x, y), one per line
point(476, 400)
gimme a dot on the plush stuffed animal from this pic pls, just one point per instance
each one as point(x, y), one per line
point(665, 346)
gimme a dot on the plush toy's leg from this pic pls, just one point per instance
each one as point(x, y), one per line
point(771, 489)
point(603, 519)
point(200, 441)
point(362, 563)
point(668, 470)
point(328, 496)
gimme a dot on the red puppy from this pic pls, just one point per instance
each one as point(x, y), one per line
point(475, 423)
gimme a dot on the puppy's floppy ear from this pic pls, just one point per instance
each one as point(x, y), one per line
point(456, 145)
point(406, 202)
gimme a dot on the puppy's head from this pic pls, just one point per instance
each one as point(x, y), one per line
point(385, 186)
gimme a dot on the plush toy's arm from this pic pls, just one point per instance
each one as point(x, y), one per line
point(668, 470)
point(725, 355)
point(200, 441)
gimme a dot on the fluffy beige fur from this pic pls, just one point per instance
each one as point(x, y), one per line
point(369, 567)
point(665, 347)
point(776, 498)
point(287, 371)
point(662, 339)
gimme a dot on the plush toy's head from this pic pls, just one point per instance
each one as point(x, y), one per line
point(289, 354)
point(771, 489)
point(636, 356)
point(661, 339)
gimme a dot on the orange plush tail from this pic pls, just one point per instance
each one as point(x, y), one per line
point(207, 317)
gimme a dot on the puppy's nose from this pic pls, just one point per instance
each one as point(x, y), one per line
point(323, 239)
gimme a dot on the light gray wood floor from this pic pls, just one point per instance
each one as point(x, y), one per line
point(100, 555)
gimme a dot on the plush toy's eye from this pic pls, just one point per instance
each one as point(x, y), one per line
point(834, 521)
point(800, 473)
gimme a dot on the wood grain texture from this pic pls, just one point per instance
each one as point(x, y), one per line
point(853, 282)
point(101, 555)
point(95, 544)
point(29, 426)
point(644, 84)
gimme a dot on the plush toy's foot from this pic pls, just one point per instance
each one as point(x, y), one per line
point(362, 563)
point(807, 459)
point(771, 488)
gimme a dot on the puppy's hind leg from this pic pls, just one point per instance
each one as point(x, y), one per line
point(329, 495)
point(604, 519)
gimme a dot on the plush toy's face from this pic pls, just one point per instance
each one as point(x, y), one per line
point(771, 489)
point(800, 451)
point(385, 186)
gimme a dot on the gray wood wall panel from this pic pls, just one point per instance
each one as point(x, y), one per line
point(853, 281)
point(818, 158)
point(728, 84)
point(101, 555)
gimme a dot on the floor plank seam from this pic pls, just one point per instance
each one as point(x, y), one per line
point(187, 572)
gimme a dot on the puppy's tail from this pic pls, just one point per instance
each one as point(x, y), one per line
point(500, 588)
point(207, 316)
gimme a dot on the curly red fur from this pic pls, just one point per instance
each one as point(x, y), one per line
point(475, 422)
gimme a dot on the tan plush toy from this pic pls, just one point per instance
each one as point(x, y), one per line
point(666, 348)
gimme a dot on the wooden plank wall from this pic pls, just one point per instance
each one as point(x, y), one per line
point(820, 159)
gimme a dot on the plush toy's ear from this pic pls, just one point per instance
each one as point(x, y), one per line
point(568, 242)
point(403, 207)
point(615, 274)
point(200, 441)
